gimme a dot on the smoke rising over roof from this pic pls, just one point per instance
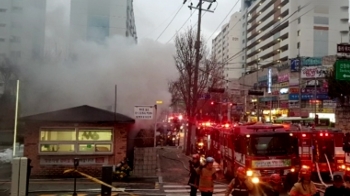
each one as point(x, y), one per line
point(141, 73)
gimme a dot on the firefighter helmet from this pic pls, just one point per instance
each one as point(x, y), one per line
point(304, 172)
point(241, 170)
point(275, 178)
point(195, 156)
point(209, 160)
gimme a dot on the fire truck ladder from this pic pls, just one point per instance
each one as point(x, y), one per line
point(329, 166)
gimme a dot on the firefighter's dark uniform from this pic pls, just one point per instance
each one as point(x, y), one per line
point(194, 178)
point(267, 190)
point(239, 188)
point(337, 191)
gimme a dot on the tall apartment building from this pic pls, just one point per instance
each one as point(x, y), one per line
point(96, 20)
point(277, 30)
point(22, 29)
point(227, 48)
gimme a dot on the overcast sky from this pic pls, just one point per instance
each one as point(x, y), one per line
point(152, 16)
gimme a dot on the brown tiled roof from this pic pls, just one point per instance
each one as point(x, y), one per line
point(81, 114)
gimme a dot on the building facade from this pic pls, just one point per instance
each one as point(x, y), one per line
point(277, 30)
point(96, 20)
point(283, 84)
point(22, 29)
point(226, 47)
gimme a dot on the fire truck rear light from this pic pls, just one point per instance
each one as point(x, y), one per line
point(247, 135)
point(321, 134)
point(249, 173)
point(255, 180)
point(305, 166)
point(291, 134)
point(342, 167)
point(303, 135)
point(292, 170)
point(348, 169)
point(326, 134)
point(227, 125)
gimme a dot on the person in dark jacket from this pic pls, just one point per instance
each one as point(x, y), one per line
point(194, 176)
point(241, 185)
point(273, 187)
point(338, 188)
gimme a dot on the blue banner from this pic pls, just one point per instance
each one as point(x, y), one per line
point(308, 96)
point(309, 61)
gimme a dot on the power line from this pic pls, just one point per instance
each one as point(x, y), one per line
point(170, 22)
point(163, 22)
point(224, 19)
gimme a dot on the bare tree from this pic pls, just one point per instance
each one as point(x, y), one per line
point(210, 75)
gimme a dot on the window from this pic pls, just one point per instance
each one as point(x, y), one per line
point(299, 33)
point(298, 45)
point(2, 10)
point(2, 25)
point(299, 20)
point(321, 20)
point(76, 140)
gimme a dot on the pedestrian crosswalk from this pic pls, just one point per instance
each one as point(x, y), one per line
point(184, 189)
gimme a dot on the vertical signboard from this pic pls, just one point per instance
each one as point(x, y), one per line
point(269, 80)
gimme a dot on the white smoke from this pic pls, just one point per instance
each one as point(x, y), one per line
point(140, 71)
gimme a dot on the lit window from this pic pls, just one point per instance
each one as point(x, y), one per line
point(57, 135)
point(76, 140)
point(95, 148)
point(57, 148)
point(95, 135)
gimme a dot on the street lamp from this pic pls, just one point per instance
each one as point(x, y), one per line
point(155, 123)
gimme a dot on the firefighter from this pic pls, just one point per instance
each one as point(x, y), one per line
point(194, 177)
point(273, 187)
point(347, 179)
point(304, 187)
point(241, 185)
point(207, 175)
point(337, 188)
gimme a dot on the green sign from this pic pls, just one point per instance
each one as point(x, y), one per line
point(342, 70)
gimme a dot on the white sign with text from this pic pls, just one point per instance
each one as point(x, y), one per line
point(143, 112)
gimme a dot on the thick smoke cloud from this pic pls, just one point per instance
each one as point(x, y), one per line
point(140, 71)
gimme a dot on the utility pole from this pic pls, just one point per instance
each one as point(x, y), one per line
point(300, 82)
point(191, 135)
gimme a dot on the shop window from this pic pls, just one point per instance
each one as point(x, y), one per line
point(95, 135)
point(76, 141)
point(57, 135)
point(63, 148)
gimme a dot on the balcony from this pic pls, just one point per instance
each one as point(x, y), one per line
point(266, 51)
point(263, 4)
point(265, 42)
point(264, 14)
point(343, 15)
point(284, 54)
point(266, 22)
point(284, 8)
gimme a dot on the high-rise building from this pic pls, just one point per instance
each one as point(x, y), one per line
point(277, 30)
point(22, 29)
point(96, 20)
point(227, 48)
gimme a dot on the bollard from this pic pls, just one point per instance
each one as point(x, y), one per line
point(107, 177)
point(20, 176)
point(76, 164)
point(29, 170)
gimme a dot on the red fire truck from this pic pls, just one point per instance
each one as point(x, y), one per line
point(320, 150)
point(263, 149)
point(346, 149)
